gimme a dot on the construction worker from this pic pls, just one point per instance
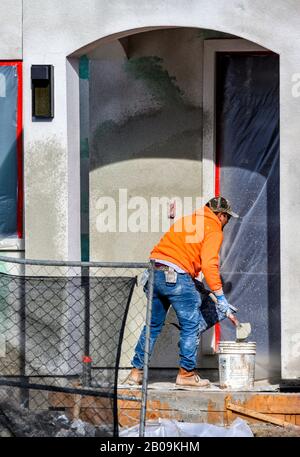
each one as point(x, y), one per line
point(190, 246)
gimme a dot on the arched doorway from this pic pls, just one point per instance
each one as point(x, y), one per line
point(143, 129)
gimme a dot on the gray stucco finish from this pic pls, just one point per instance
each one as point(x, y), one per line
point(11, 29)
point(145, 132)
point(56, 30)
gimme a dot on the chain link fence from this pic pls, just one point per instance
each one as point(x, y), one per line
point(67, 336)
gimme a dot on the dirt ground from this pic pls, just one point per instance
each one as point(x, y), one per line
point(269, 430)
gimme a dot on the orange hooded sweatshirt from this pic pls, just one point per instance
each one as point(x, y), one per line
point(193, 243)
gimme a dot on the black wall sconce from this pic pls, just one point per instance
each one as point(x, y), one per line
point(42, 83)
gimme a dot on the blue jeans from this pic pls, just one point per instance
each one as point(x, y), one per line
point(186, 301)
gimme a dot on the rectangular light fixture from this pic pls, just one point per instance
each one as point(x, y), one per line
point(42, 84)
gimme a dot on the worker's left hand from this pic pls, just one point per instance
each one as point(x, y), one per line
point(225, 307)
point(222, 303)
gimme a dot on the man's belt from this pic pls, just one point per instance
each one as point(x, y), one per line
point(161, 266)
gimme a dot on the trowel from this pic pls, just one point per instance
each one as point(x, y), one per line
point(243, 330)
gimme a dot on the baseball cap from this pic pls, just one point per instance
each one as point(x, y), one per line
point(221, 205)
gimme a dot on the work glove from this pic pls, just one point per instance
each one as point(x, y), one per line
point(223, 304)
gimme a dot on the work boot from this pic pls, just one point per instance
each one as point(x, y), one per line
point(135, 377)
point(190, 379)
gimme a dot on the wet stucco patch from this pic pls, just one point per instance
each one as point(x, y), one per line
point(157, 79)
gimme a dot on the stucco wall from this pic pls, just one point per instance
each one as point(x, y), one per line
point(145, 132)
point(11, 29)
point(146, 137)
point(60, 28)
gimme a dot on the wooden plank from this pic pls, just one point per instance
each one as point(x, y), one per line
point(277, 404)
point(290, 418)
point(97, 416)
point(260, 416)
point(61, 399)
point(76, 407)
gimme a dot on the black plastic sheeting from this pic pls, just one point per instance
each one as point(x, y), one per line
point(8, 151)
point(248, 154)
point(208, 308)
point(210, 312)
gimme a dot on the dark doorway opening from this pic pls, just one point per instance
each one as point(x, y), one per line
point(248, 163)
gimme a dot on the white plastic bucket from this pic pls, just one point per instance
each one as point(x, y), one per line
point(236, 365)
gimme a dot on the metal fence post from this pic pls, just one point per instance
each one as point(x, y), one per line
point(86, 361)
point(24, 393)
point(147, 349)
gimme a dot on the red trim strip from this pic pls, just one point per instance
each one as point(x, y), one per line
point(20, 151)
point(9, 63)
point(19, 133)
point(217, 336)
point(217, 194)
